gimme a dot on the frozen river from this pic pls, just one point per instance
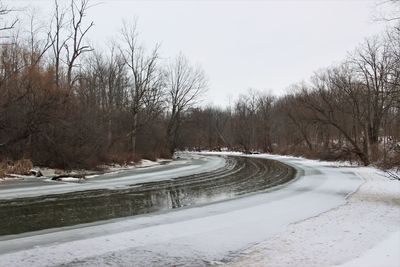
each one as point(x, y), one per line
point(106, 197)
point(199, 235)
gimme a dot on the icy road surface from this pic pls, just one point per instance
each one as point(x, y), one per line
point(188, 164)
point(219, 232)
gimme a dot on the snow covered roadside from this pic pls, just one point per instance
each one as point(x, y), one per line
point(386, 253)
point(363, 232)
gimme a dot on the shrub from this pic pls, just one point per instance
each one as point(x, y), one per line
point(122, 158)
point(3, 169)
point(22, 166)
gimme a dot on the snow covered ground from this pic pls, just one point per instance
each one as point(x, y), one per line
point(328, 216)
point(363, 232)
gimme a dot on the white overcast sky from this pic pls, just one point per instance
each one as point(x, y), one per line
point(266, 45)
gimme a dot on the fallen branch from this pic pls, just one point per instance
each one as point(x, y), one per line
point(59, 177)
point(393, 175)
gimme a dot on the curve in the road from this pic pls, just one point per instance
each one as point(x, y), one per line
point(240, 175)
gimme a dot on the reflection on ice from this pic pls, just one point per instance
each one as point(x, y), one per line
point(240, 176)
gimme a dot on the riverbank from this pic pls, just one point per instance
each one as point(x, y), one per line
point(43, 173)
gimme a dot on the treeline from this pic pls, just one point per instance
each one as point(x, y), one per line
point(349, 111)
point(65, 104)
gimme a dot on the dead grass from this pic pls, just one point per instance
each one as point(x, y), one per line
point(123, 158)
point(22, 167)
point(2, 170)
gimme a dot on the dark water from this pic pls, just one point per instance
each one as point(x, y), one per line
point(240, 176)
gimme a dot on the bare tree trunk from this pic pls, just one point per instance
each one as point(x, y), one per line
point(109, 132)
point(134, 133)
point(185, 84)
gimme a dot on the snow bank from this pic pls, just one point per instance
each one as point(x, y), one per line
point(386, 253)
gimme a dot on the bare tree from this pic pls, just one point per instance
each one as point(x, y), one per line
point(104, 81)
point(298, 116)
point(58, 39)
point(4, 10)
point(185, 84)
point(388, 10)
point(337, 99)
point(376, 69)
point(67, 35)
point(78, 12)
point(145, 76)
point(38, 44)
point(245, 112)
